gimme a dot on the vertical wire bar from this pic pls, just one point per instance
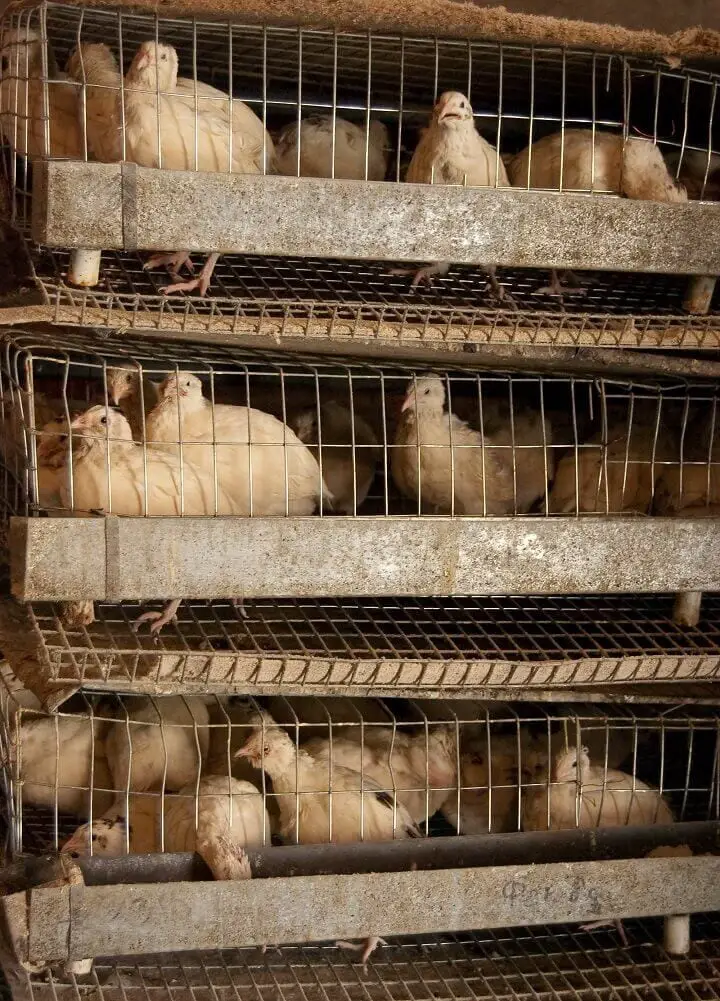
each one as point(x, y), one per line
point(681, 456)
point(576, 445)
point(709, 497)
point(513, 445)
point(481, 419)
point(498, 133)
point(626, 461)
point(216, 475)
point(286, 445)
point(83, 88)
point(196, 108)
point(532, 114)
point(563, 98)
point(250, 444)
point(401, 108)
point(231, 105)
point(157, 96)
point(593, 124)
point(121, 56)
point(45, 64)
point(713, 101)
point(265, 99)
point(334, 102)
point(386, 458)
point(604, 437)
point(368, 104)
point(418, 450)
point(686, 113)
point(654, 456)
point(318, 419)
point(656, 109)
point(299, 107)
point(546, 463)
point(353, 443)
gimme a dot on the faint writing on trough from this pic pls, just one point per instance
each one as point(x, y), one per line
point(574, 891)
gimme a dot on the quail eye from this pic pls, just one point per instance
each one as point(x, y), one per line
point(94, 837)
point(103, 420)
point(266, 750)
point(462, 104)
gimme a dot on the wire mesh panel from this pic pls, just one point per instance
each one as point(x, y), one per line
point(355, 300)
point(542, 963)
point(201, 431)
point(144, 774)
point(456, 647)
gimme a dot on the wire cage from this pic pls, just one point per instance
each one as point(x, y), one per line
point(520, 93)
point(206, 432)
point(296, 299)
point(585, 647)
point(541, 962)
point(142, 772)
point(364, 99)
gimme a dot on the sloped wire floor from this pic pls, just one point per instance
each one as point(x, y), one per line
point(553, 963)
point(389, 643)
point(342, 298)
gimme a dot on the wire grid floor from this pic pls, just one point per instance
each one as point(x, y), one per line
point(341, 300)
point(546, 962)
point(390, 643)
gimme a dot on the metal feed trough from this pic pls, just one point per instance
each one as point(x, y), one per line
point(486, 881)
point(624, 429)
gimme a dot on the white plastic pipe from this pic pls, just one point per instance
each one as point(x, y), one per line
point(84, 268)
point(686, 611)
point(676, 935)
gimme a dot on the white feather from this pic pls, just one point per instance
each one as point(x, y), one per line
point(245, 447)
point(158, 743)
point(459, 469)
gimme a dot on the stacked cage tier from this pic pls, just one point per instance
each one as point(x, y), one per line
point(340, 115)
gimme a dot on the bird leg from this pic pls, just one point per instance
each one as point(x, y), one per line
point(201, 282)
point(158, 619)
point(608, 924)
point(557, 288)
point(175, 261)
point(423, 275)
point(239, 604)
point(496, 288)
point(367, 948)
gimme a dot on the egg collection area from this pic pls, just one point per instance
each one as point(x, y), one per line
point(360, 492)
